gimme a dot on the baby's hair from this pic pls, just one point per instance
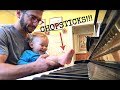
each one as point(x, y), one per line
point(37, 34)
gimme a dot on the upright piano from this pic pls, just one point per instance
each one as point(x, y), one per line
point(103, 62)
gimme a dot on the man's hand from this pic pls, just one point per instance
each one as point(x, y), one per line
point(42, 64)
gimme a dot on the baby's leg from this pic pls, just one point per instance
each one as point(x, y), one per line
point(63, 59)
point(66, 58)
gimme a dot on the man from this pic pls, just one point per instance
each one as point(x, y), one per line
point(13, 41)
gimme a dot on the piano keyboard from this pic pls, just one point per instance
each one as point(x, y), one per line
point(39, 74)
point(78, 71)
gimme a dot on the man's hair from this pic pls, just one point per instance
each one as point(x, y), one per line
point(27, 10)
point(23, 10)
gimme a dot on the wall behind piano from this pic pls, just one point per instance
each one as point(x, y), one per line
point(7, 16)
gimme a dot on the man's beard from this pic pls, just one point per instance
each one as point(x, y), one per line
point(24, 26)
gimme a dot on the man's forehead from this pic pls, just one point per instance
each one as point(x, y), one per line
point(37, 13)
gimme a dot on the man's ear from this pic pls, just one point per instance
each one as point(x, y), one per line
point(18, 13)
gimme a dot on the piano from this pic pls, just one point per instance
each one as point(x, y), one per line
point(103, 62)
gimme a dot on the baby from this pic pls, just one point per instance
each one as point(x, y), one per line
point(39, 43)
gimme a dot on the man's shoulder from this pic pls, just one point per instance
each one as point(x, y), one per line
point(5, 27)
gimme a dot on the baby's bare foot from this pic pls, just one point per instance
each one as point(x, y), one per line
point(66, 58)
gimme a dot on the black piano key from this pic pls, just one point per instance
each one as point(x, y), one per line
point(51, 78)
point(77, 72)
point(72, 69)
point(65, 77)
point(71, 74)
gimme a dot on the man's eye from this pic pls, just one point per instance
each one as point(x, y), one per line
point(33, 17)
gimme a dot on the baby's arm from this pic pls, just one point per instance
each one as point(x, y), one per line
point(20, 62)
point(24, 59)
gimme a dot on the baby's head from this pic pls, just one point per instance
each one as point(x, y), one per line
point(39, 42)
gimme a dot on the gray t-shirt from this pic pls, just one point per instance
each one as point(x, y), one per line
point(12, 43)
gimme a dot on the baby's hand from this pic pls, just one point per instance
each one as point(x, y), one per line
point(44, 56)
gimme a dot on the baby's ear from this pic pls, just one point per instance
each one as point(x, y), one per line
point(31, 44)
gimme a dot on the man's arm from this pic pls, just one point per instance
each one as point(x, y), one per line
point(9, 71)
